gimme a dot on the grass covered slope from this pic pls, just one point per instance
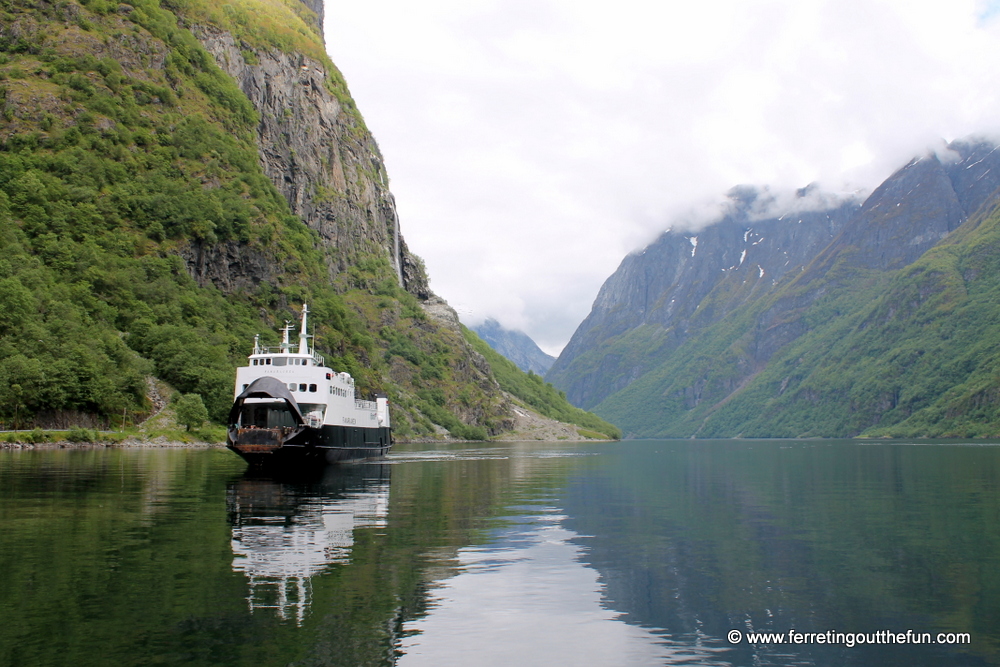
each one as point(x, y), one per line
point(908, 353)
point(537, 394)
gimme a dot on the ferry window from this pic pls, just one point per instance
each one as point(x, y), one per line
point(254, 362)
point(331, 390)
point(302, 387)
point(268, 361)
point(280, 361)
point(291, 387)
point(245, 387)
point(312, 388)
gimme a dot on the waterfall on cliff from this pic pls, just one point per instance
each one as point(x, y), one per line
point(395, 239)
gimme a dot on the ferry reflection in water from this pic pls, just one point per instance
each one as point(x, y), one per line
point(288, 530)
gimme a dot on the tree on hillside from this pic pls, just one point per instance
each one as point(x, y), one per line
point(191, 411)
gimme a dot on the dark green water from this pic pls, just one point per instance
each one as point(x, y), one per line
point(641, 553)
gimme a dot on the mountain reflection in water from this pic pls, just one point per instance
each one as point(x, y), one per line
point(287, 530)
point(528, 596)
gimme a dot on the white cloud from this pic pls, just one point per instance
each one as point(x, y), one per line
point(531, 145)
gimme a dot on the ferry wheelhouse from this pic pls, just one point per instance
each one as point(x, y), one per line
point(291, 410)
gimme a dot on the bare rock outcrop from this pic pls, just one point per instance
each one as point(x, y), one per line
point(316, 150)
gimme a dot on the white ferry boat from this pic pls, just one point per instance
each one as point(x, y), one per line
point(290, 410)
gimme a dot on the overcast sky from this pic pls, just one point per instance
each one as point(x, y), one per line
point(532, 144)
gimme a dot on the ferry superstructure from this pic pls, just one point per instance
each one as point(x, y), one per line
point(291, 410)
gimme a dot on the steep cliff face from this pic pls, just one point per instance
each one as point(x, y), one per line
point(319, 155)
point(915, 208)
point(802, 359)
point(685, 281)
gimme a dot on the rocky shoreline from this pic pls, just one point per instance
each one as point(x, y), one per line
point(128, 443)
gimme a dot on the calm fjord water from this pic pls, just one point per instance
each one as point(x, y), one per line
point(641, 553)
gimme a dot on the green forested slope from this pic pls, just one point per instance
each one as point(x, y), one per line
point(102, 175)
point(909, 353)
point(122, 145)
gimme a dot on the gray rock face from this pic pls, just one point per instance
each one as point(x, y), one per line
point(904, 217)
point(914, 209)
point(516, 346)
point(320, 156)
point(229, 265)
point(685, 281)
point(975, 174)
point(919, 205)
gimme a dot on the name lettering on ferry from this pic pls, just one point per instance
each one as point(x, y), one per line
point(350, 420)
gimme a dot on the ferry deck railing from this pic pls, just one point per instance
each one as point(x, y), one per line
point(277, 349)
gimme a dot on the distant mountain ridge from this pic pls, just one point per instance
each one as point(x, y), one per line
point(516, 346)
point(858, 335)
point(684, 281)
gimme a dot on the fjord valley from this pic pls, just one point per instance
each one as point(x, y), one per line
point(811, 315)
point(177, 177)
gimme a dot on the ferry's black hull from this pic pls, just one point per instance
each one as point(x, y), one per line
point(308, 447)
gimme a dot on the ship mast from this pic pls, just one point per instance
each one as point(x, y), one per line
point(303, 337)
